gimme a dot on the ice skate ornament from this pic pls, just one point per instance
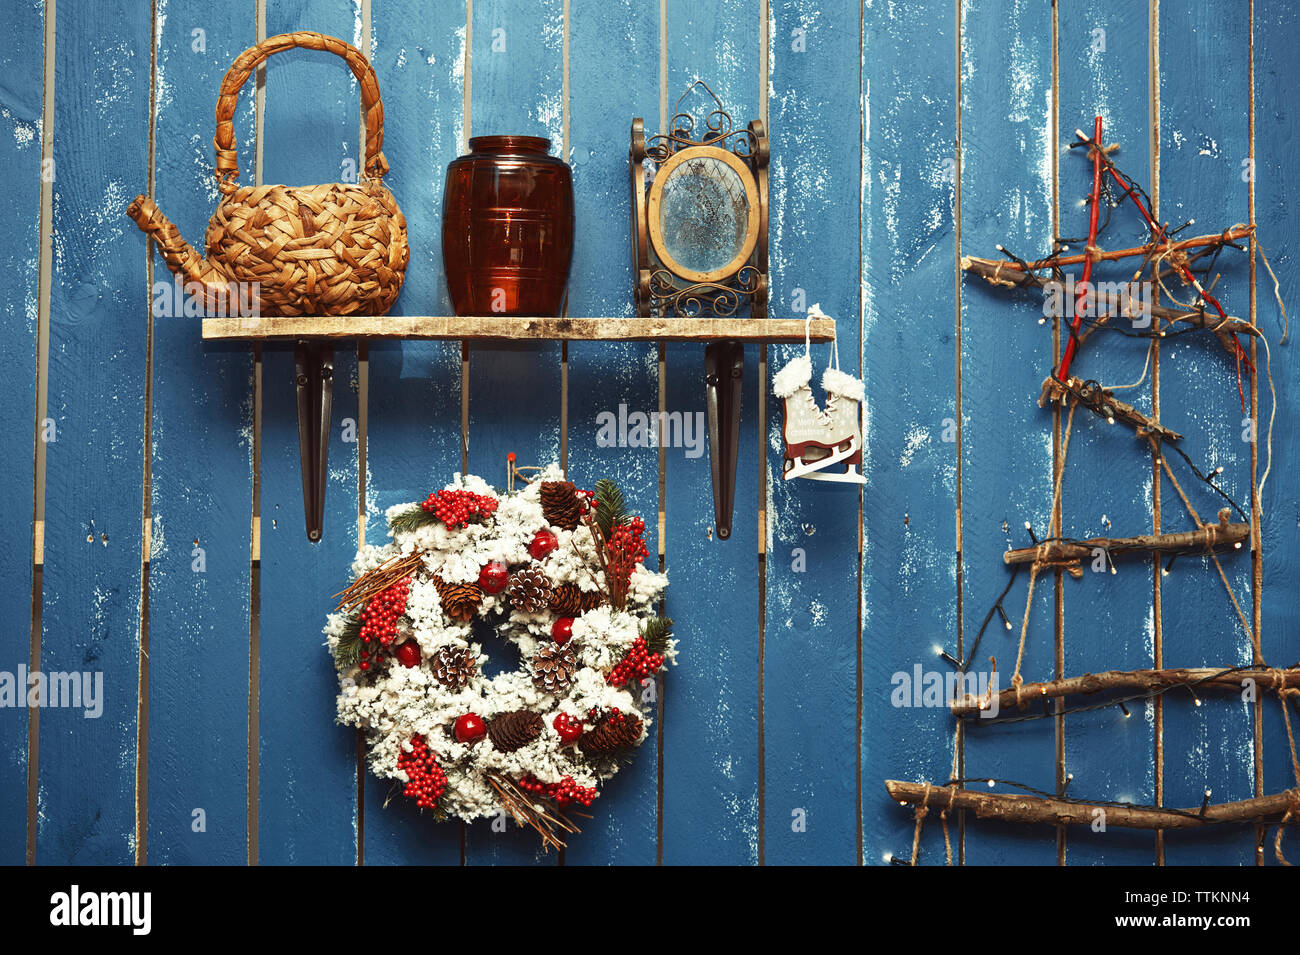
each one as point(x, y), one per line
point(820, 445)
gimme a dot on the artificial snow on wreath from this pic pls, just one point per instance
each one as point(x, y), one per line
point(558, 572)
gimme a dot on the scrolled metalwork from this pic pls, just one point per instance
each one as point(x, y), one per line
point(661, 290)
point(719, 126)
point(700, 299)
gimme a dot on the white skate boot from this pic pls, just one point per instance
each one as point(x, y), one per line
point(844, 411)
point(811, 441)
point(844, 415)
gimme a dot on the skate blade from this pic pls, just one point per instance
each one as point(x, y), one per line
point(803, 468)
point(851, 476)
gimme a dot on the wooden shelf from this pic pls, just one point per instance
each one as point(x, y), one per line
point(498, 328)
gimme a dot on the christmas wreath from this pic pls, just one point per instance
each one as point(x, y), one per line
point(556, 571)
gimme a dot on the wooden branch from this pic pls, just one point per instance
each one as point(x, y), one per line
point(529, 809)
point(499, 328)
point(997, 272)
point(1007, 807)
point(379, 578)
point(1147, 681)
point(1210, 537)
point(1102, 402)
point(1143, 251)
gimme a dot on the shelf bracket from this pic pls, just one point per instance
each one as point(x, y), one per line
point(724, 379)
point(314, 379)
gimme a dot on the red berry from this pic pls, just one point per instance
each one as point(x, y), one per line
point(381, 612)
point(568, 728)
point(458, 507)
point(493, 577)
point(469, 728)
point(543, 543)
point(408, 654)
point(426, 780)
point(562, 630)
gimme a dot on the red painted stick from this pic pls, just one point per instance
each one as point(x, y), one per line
point(1158, 233)
point(1064, 371)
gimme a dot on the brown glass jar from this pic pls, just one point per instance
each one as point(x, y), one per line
point(507, 228)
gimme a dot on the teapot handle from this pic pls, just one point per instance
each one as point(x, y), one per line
point(227, 170)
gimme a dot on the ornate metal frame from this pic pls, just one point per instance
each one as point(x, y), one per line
point(663, 286)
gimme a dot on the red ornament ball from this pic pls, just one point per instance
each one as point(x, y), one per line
point(494, 577)
point(568, 728)
point(543, 543)
point(470, 728)
point(562, 630)
point(408, 654)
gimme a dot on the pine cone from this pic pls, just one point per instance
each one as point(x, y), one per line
point(529, 589)
point(509, 731)
point(553, 668)
point(566, 601)
point(453, 666)
point(569, 601)
point(459, 601)
point(610, 735)
point(560, 504)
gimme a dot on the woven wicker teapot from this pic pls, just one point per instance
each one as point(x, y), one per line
point(331, 249)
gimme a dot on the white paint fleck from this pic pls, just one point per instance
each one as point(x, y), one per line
point(916, 437)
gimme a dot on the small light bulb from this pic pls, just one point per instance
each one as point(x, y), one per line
point(990, 784)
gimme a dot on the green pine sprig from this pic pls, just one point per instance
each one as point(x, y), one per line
point(611, 508)
point(411, 518)
point(348, 652)
point(657, 631)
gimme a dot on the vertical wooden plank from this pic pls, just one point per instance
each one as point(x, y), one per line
point(711, 789)
point(1203, 143)
point(98, 312)
point(307, 787)
point(812, 583)
point(21, 91)
point(1006, 440)
point(514, 401)
point(202, 479)
point(909, 186)
point(22, 69)
point(613, 76)
point(1108, 622)
point(1276, 125)
point(413, 425)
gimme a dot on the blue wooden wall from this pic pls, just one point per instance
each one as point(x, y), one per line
point(157, 534)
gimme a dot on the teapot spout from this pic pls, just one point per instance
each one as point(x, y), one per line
point(179, 255)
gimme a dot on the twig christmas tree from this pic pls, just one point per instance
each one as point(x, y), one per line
point(1099, 308)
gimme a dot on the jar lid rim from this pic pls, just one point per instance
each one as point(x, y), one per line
point(529, 143)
